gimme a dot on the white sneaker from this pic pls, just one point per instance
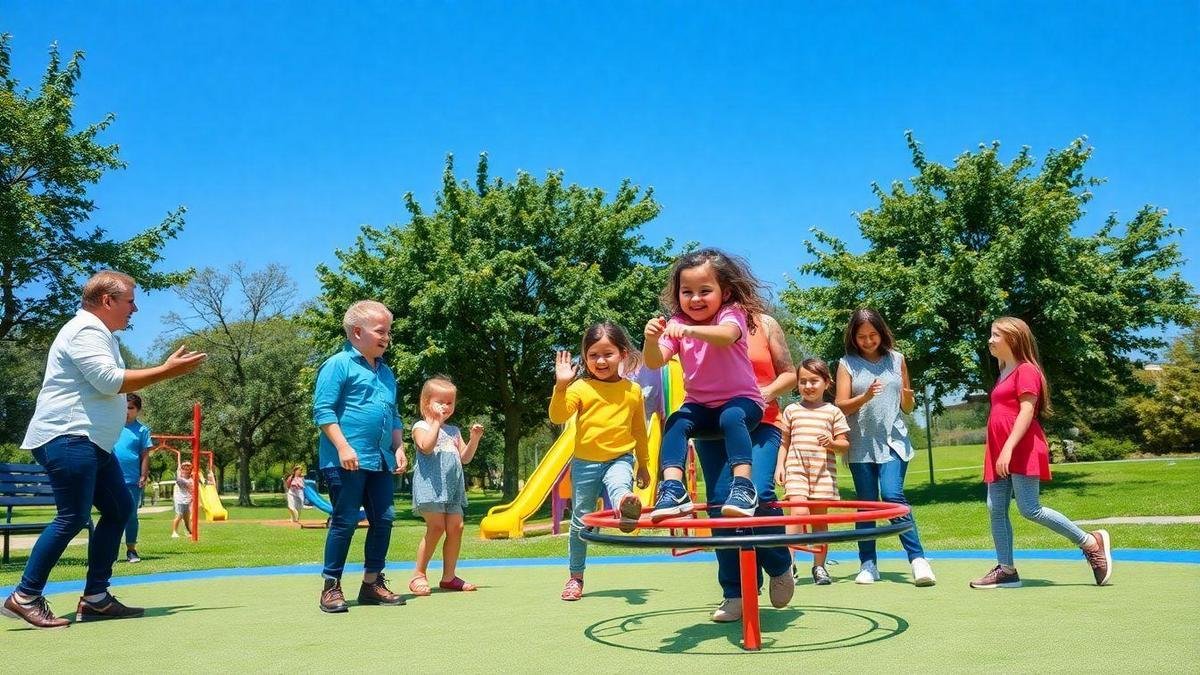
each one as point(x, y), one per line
point(729, 610)
point(174, 535)
point(922, 572)
point(868, 573)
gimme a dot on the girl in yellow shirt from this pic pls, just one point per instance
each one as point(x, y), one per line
point(610, 428)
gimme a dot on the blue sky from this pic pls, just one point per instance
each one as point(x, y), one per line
point(285, 126)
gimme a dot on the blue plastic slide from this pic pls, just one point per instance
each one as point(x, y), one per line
point(315, 498)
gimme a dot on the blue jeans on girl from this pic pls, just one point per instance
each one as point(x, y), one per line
point(82, 476)
point(873, 481)
point(1025, 489)
point(717, 468)
point(587, 479)
point(371, 491)
point(733, 420)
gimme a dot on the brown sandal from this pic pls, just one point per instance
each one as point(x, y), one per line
point(419, 585)
point(457, 584)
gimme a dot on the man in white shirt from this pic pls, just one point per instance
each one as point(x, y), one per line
point(79, 415)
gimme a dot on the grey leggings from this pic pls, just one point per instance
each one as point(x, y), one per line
point(1025, 488)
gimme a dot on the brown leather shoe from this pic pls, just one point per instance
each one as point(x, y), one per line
point(1100, 560)
point(36, 612)
point(109, 608)
point(332, 600)
point(378, 593)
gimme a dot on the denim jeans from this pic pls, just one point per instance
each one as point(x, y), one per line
point(718, 475)
point(733, 421)
point(371, 491)
point(873, 481)
point(1025, 489)
point(82, 476)
point(587, 479)
point(131, 527)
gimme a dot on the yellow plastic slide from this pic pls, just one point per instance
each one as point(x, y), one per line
point(508, 520)
point(211, 501)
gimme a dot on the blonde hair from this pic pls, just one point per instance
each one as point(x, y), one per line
point(361, 311)
point(1020, 340)
point(436, 384)
point(105, 282)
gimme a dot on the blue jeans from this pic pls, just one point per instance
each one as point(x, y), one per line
point(587, 479)
point(131, 527)
point(371, 491)
point(872, 481)
point(82, 476)
point(733, 421)
point(718, 475)
point(1025, 489)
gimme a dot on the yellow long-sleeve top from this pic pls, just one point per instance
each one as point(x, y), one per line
point(611, 422)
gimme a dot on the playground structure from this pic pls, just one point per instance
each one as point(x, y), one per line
point(746, 541)
point(203, 494)
point(320, 503)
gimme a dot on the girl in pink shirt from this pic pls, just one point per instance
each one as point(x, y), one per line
point(713, 299)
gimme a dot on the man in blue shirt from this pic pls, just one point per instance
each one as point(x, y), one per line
point(131, 453)
point(361, 446)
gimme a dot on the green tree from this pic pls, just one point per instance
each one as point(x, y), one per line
point(500, 275)
point(251, 386)
point(46, 166)
point(1170, 417)
point(961, 245)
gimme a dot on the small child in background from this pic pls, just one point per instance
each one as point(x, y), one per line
point(293, 486)
point(183, 498)
point(439, 486)
point(814, 432)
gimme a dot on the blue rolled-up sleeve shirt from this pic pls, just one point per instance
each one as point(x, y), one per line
point(362, 401)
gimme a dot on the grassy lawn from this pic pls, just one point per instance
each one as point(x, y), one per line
point(950, 514)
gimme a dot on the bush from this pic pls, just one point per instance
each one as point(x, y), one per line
point(1103, 449)
point(12, 453)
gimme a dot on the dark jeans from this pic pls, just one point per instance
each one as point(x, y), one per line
point(372, 491)
point(131, 527)
point(82, 476)
point(873, 481)
point(718, 474)
point(733, 421)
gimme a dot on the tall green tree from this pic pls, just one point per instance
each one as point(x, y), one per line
point(960, 245)
point(46, 167)
point(251, 387)
point(1170, 416)
point(496, 278)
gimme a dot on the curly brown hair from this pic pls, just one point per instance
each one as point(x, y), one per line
point(734, 276)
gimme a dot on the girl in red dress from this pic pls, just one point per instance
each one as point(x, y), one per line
point(1017, 458)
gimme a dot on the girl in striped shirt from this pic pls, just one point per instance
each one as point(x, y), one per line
point(814, 430)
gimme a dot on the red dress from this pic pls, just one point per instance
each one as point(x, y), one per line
point(1031, 455)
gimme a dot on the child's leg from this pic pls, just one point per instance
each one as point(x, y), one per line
point(435, 526)
point(999, 493)
point(1026, 489)
point(618, 479)
point(587, 477)
point(736, 418)
point(454, 531)
point(681, 426)
point(175, 524)
point(821, 552)
point(343, 522)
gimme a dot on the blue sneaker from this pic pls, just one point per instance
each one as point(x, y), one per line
point(743, 499)
point(673, 500)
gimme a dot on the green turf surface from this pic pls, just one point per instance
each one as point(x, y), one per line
point(635, 618)
point(950, 514)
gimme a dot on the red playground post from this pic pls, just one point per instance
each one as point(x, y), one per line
point(194, 439)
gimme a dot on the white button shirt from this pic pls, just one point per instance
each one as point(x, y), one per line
point(80, 393)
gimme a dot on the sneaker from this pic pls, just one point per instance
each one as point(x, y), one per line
point(868, 573)
point(781, 589)
point(108, 608)
point(743, 499)
point(174, 535)
point(377, 593)
point(998, 578)
point(728, 611)
point(631, 510)
point(1100, 559)
point(36, 612)
point(132, 557)
point(922, 572)
point(332, 599)
point(795, 573)
point(820, 576)
point(573, 590)
point(673, 500)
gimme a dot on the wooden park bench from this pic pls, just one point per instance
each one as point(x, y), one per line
point(24, 485)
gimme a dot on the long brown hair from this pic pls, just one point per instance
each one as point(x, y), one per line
point(1020, 340)
point(619, 338)
point(867, 315)
point(733, 274)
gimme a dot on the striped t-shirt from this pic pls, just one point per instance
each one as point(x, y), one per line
point(810, 469)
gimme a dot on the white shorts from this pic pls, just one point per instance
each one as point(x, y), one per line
point(182, 509)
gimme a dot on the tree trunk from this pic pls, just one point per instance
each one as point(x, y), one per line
point(512, 446)
point(220, 477)
point(244, 476)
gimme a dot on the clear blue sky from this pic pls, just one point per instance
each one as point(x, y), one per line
point(285, 126)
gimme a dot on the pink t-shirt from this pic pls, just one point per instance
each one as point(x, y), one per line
point(712, 375)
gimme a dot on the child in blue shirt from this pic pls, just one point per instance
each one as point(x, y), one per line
point(131, 453)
